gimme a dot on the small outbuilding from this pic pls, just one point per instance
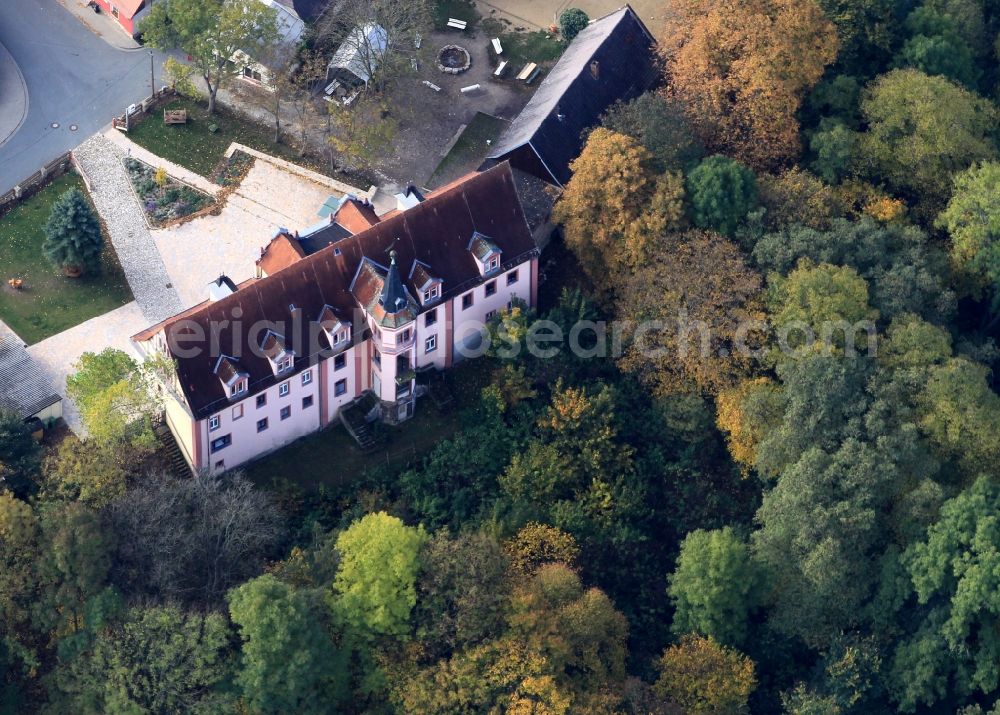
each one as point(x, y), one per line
point(612, 59)
point(24, 388)
point(358, 56)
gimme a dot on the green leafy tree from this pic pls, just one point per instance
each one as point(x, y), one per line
point(922, 130)
point(461, 592)
point(830, 301)
point(374, 591)
point(572, 21)
point(113, 396)
point(835, 148)
point(86, 471)
point(954, 575)
point(20, 455)
point(73, 238)
point(157, 659)
point(288, 662)
point(868, 32)
point(212, 33)
point(72, 567)
point(660, 124)
point(906, 272)
point(722, 193)
point(945, 55)
point(972, 219)
point(715, 586)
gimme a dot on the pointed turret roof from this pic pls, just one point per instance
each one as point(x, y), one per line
point(393, 298)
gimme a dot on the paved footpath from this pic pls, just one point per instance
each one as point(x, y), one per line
point(112, 194)
point(128, 147)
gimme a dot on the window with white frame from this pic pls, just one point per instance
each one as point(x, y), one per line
point(238, 387)
point(432, 293)
point(283, 389)
point(430, 344)
point(285, 363)
point(213, 423)
point(493, 264)
point(307, 377)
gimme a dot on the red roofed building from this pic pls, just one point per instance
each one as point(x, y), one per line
point(125, 12)
point(339, 317)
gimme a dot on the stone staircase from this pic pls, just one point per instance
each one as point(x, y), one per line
point(170, 452)
point(354, 418)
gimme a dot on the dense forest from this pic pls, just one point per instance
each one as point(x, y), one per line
point(772, 524)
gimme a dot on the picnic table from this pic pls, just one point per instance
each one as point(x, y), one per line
point(529, 72)
point(175, 116)
point(496, 46)
point(457, 24)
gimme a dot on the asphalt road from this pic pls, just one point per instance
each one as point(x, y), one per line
point(74, 79)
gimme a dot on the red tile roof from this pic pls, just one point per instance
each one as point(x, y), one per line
point(280, 253)
point(355, 216)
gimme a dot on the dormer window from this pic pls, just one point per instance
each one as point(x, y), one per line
point(337, 331)
point(432, 293)
point(274, 349)
point(486, 253)
point(234, 379)
point(425, 282)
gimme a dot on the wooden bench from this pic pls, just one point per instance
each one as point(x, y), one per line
point(431, 85)
point(528, 73)
point(457, 24)
point(501, 68)
point(496, 46)
point(175, 116)
point(470, 88)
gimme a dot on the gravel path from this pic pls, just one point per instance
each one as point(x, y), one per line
point(112, 194)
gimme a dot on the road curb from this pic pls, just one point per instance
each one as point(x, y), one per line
point(7, 58)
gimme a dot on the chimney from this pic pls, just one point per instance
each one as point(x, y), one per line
point(220, 288)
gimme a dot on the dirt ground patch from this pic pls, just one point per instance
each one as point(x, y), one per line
point(429, 120)
point(539, 14)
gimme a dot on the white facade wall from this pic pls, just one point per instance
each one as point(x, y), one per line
point(353, 371)
point(438, 331)
point(247, 443)
point(470, 321)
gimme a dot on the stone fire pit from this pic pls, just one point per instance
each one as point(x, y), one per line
point(453, 59)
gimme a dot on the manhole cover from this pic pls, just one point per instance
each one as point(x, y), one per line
point(72, 127)
point(55, 125)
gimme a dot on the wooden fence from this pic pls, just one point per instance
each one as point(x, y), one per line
point(146, 106)
point(35, 182)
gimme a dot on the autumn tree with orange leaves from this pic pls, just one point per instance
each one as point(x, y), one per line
point(741, 68)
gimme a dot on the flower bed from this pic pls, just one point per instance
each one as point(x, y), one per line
point(163, 198)
point(233, 170)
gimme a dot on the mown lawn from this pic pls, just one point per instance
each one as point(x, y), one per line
point(332, 457)
point(470, 149)
point(458, 9)
point(50, 302)
point(520, 48)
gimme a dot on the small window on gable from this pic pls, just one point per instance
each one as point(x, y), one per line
point(285, 363)
point(493, 263)
point(238, 387)
point(432, 293)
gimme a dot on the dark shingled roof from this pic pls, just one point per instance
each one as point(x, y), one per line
point(612, 59)
point(24, 389)
point(436, 232)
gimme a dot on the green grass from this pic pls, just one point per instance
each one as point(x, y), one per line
point(332, 457)
point(50, 302)
point(520, 48)
point(458, 9)
point(195, 147)
point(470, 149)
